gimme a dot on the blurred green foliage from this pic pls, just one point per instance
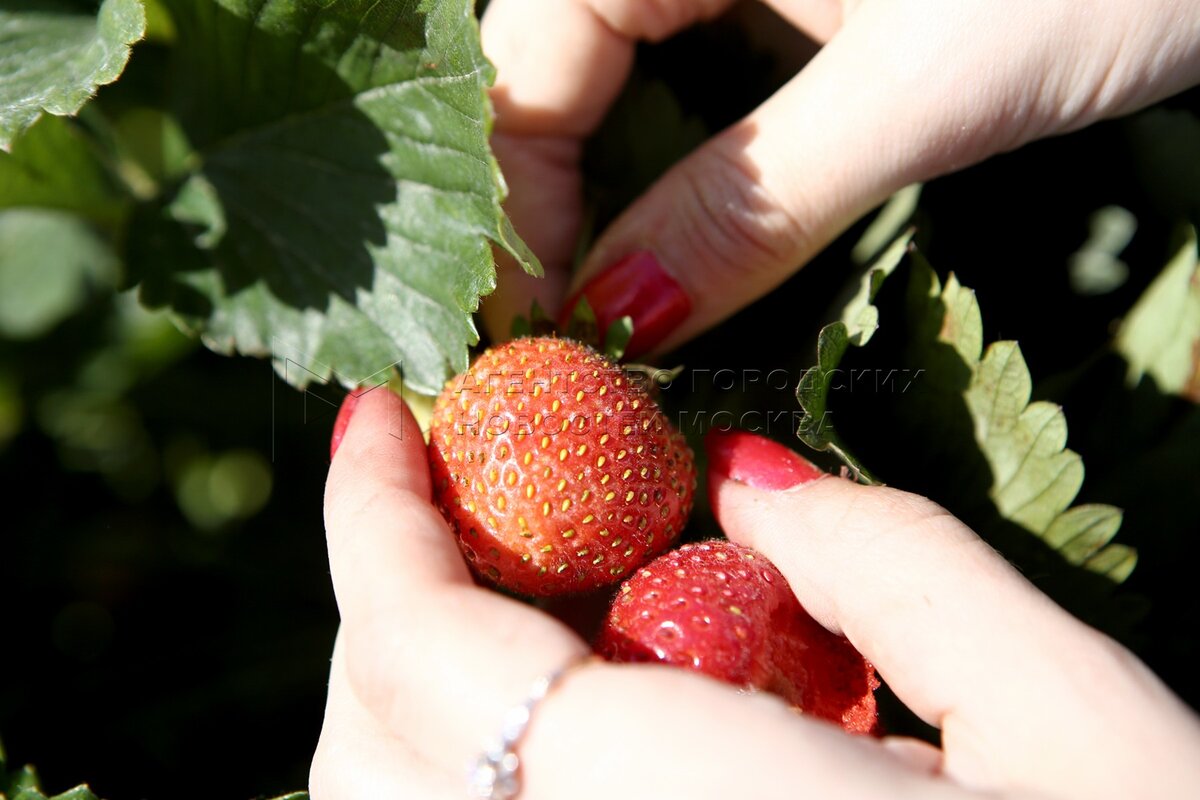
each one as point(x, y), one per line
point(163, 562)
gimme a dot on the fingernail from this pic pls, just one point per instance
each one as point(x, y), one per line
point(343, 420)
point(637, 287)
point(756, 461)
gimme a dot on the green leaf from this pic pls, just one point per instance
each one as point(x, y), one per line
point(1018, 478)
point(82, 792)
point(50, 262)
point(346, 200)
point(54, 53)
point(617, 337)
point(1160, 338)
point(859, 314)
point(889, 225)
point(815, 429)
point(858, 322)
point(152, 141)
point(54, 164)
point(1031, 477)
point(582, 325)
point(24, 785)
point(538, 323)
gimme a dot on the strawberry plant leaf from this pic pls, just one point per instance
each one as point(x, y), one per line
point(1031, 477)
point(582, 325)
point(617, 337)
point(54, 165)
point(23, 784)
point(1160, 337)
point(520, 327)
point(889, 225)
point(859, 314)
point(342, 212)
point(50, 262)
point(54, 54)
point(858, 322)
point(538, 323)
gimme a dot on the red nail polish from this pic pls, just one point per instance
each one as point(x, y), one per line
point(637, 287)
point(756, 461)
point(343, 420)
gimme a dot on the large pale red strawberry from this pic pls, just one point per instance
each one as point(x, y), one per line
point(556, 470)
point(725, 610)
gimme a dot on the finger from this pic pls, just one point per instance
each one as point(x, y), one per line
point(551, 91)
point(545, 204)
point(437, 659)
point(560, 64)
point(916, 754)
point(820, 19)
point(1018, 687)
point(740, 214)
point(356, 758)
point(903, 92)
point(677, 734)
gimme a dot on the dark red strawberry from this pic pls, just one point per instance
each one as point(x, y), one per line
point(725, 610)
point(557, 471)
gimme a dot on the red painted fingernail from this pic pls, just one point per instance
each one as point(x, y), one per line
point(637, 287)
point(343, 420)
point(756, 461)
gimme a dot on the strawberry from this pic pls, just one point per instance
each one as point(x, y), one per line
point(722, 609)
point(556, 470)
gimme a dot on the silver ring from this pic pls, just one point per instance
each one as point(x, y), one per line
point(495, 774)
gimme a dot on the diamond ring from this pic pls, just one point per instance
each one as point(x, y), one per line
point(495, 774)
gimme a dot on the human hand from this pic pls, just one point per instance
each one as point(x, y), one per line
point(1030, 701)
point(900, 92)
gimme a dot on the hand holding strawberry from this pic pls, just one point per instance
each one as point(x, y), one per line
point(1029, 700)
point(724, 610)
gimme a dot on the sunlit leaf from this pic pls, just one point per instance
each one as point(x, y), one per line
point(54, 53)
point(346, 201)
point(1160, 337)
point(1032, 478)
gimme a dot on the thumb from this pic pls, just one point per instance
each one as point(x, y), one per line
point(903, 92)
point(1018, 687)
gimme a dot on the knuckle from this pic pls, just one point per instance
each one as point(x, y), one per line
point(906, 507)
point(658, 18)
point(730, 219)
point(887, 518)
point(654, 20)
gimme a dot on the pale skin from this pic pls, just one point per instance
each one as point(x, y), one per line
point(902, 91)
point(1030, 702)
